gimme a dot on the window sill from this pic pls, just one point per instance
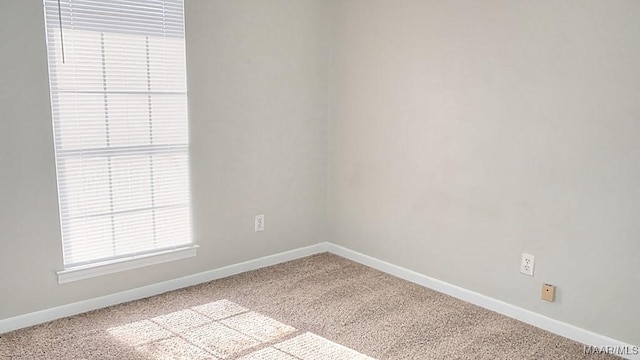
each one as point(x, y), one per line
point(113, 266)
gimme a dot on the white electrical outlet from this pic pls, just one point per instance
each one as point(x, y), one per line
point(527, 264)
point(259, 223)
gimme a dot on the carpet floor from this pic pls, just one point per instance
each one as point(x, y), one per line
point(318, 307)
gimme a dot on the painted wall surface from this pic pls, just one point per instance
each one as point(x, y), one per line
point(463, 133)
point(450, 137)
point(257, 81)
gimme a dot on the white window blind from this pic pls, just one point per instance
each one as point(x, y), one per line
point(119, 106)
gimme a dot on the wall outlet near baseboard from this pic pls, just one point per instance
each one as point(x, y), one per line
point(527, 264)
point(259, 222)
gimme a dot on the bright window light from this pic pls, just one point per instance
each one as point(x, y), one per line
point(119, 107)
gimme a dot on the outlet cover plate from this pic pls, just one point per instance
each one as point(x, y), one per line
point(259, 222)
point(548, 292)
point(527, 264)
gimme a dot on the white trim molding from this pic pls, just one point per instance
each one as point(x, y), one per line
point(557, 327)
point(42, 316)
point(540, 321)
point(128, 263)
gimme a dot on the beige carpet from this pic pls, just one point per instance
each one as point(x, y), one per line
point(319, 307)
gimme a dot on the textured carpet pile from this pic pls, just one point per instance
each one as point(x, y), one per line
point(319, 307)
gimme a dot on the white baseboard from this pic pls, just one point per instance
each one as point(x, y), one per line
point(529, 317)
point(42, 316)
point(540, 321)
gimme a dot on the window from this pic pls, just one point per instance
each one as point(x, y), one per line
point(119, 108)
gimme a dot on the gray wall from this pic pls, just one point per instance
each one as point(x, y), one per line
point(258, 103)
point(463, 133)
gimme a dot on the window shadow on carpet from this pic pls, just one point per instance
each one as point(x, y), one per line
point(225, 330)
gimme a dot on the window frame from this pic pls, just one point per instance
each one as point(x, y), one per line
point(97, 267)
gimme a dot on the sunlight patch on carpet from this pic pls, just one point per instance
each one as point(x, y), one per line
point(219, 340)
point(220, 309)
point(309, 346)
point(139, 332)
point(268, 354)
point(180, 321)
point(174, 348)
point(223, 329)
point(258, 326)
